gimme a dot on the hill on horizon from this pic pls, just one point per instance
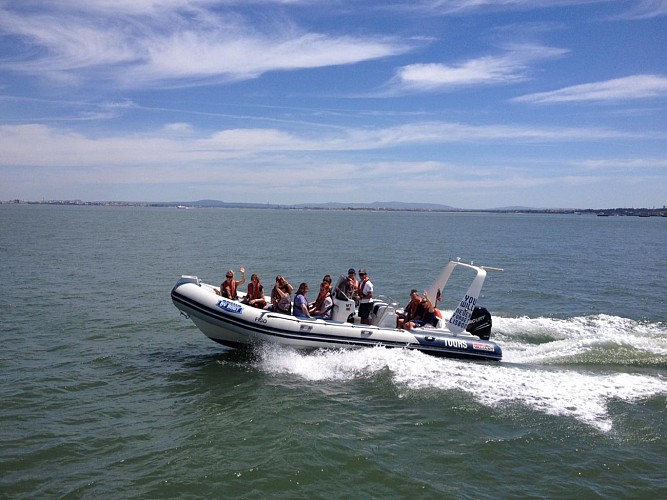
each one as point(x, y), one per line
point(376, 205)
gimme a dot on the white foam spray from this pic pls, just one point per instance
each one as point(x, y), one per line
point(559, 367)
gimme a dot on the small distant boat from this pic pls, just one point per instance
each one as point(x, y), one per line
point(466, 334)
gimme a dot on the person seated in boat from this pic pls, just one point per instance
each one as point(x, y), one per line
point(431, 313)
point(229, 286)
point(365, 292)
point(255, 295)
point(281, 300)
point(322, 306)
point(429, 317)
point(301, 302)
point(325, 288)
point(414, 309)
point(327, 279)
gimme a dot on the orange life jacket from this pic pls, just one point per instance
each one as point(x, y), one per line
point(255, 294)
point(361, 288)
point(231, 289)
point(411, 308)
point(320, 300)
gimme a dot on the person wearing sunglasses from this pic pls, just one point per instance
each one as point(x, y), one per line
point(230, 285)
point(365, 297)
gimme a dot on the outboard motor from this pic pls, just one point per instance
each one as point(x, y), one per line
point(480, 323)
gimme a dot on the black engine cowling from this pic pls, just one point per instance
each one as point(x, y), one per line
point(480, 323)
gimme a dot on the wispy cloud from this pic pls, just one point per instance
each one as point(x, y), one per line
point(179, 142)
point(512, 66)
point(136, 45)
point(619, 89)
point(262, 140)
point(133, 66)
point(193, 56)
point(645, 9)
point(485, 70)
point(149, 6)
point(624, 164)
point(471, 6)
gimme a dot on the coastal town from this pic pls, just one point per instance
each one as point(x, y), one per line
point(377, 206)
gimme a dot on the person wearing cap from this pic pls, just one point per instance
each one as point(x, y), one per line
point(229, 286)
point(365, 292)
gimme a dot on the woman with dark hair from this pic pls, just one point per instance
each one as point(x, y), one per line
point(301, 302)
point(281, 296)
point(255, 295)
point(322, 306)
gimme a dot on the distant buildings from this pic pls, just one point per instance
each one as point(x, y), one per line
point(377, 206)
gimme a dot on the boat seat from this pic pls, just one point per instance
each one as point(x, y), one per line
point(376, 307)
point(382, 314)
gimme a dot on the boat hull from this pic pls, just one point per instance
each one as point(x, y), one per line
point(240, 326)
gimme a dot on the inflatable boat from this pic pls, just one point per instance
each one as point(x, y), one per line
point(466, 334)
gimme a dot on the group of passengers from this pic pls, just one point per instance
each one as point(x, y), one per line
point(281, 295)
point(420, 311)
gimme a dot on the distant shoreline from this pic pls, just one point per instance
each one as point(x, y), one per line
point(375, 207)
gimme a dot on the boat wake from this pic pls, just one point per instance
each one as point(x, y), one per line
point(571, 368)
point(587, 340)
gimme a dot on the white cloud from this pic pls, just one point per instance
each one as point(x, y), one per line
point(645, 9)
point(68, 43)
point(445, 132)
point(178, 129)
point(625, 164)
point(490, 70)
point(255, 140)
point(465, 6)
point(139, 6)
point(485, 70)
point(179, 43)
point(39, 145)
point(619, 89)
point(198, 55)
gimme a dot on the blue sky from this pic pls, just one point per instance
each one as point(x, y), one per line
point(469, 103)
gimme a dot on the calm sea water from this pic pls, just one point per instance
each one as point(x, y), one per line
point(107, 391)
